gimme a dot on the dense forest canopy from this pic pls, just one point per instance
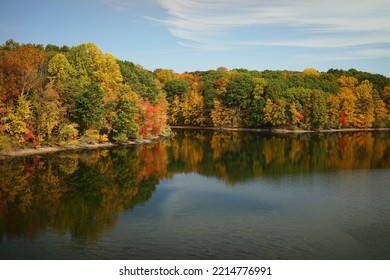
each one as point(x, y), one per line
point(53, 95)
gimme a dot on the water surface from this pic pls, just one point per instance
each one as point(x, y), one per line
point(202, 195)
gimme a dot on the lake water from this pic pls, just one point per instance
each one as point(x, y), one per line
point(203, 195)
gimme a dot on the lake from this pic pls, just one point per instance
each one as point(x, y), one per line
point(203, 195)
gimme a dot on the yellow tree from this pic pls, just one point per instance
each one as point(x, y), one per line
point(348, 99)
point(223, 116)
point(348, 107)
point(365, 105)
point(382, 114)
point(333, 105)
point(295, 116)
point(164, 75)
point(268, 112)
point(175, 113)
point(349, 82)
point(60, 70)
point(192, 109)
point(17, 119)
point(311, 71)
point(386, 96)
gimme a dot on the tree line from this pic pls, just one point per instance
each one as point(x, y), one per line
point(63, 95)
point(287, 99)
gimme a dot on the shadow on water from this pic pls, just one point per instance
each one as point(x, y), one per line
point(83, 194)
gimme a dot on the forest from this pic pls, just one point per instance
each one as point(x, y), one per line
point(52, 95)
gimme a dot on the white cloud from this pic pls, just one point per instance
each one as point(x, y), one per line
point(304, 23)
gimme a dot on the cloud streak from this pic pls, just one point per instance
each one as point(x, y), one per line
point(304, 23)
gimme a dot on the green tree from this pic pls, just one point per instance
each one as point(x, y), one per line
point(318, 110)
point(175, 87)
point(141, 80)
point(125, 126)
point(239, 91)
point(89, 107)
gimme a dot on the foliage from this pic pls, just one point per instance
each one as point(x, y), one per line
point(141, 81)
point(46, 91)
point(68, 133)
point(21, 68)
point(92, 136)
point(124, 125)
point(46, 108)
point(175, 87)
point(152, 117)
point(89, 108)
point(17, 120)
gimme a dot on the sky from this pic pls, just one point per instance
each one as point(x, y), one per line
point(190, 35)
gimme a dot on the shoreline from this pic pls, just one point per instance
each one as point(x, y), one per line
point(282, 130)
point(74, 147)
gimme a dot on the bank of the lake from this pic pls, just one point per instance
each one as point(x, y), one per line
point(53, 149)
point(282, 130)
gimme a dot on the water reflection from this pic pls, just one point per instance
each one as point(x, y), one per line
point(77, 193)
point(84, 193)
point(236, 156)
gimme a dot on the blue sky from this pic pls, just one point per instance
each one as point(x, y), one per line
point(189, 35)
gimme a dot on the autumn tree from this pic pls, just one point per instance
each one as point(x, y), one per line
point(192, 108)
point(275, 113)
point(152, 118)
point(17, 120)
point(333, 107)
point(22, 70)
point(164, 75)
point(318, 110)
point(60, 70)
point(365, 106)
point(311, 71)
point(46, 108)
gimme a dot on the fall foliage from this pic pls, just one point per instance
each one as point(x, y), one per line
point(71, 95)
point(57, 95)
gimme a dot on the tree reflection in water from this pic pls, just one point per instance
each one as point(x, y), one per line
point(83, 193)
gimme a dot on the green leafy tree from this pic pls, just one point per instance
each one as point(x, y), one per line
point(318, 110)
point(141, 80)
point(125, 126)
point(89, 107)
point(239, 91)
point(175, 87)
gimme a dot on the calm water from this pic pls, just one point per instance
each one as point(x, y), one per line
point(202, 195)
